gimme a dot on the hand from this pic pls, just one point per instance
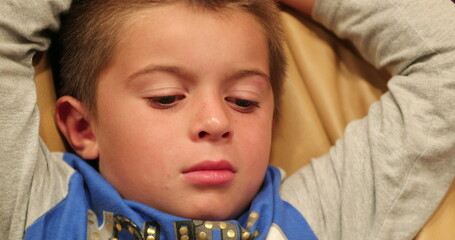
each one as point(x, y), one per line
point(305, 6)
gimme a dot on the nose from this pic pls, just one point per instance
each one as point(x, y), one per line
point(211, 122)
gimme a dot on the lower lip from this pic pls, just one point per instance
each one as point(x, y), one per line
point(209, 177)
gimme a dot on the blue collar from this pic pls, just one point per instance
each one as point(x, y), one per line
point(93, 209)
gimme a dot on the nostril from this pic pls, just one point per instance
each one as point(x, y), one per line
point(202, 134)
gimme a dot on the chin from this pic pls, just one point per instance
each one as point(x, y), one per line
point(215, 215)
point(213, 212)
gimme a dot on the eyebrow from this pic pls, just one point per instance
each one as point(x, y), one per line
point(181, 72)
point(175, 70)
point(247, 73)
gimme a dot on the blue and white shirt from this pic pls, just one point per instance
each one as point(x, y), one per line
point(94, 210)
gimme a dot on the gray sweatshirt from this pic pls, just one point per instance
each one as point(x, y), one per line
point(388, 173)
point(381, 181)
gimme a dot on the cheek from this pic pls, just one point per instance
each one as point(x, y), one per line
point(137, 133)
point(257, 141)
point(133, 145)
point(256, 155)
point(133, 135)
point(117, 130)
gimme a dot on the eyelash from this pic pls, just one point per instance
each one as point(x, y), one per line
point(166, 102)
point(243, 105)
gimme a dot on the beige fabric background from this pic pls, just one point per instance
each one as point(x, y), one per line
point(328, 85)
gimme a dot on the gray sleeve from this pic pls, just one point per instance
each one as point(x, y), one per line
point(25, 27)
point(391, 169)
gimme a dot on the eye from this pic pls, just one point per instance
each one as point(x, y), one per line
point(243, 105)
point(165, 102)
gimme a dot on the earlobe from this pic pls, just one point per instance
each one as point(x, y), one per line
point(73, 122)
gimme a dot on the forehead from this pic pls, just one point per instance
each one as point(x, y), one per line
point(180, 15)
point(203, 39)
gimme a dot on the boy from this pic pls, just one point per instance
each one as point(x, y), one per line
point(181, 123)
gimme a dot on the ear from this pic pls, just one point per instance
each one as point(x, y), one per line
point(73, 122)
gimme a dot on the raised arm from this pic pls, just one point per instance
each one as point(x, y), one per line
point(388, 173)
point(25, 27)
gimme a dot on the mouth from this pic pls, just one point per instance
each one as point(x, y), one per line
point(210, 173)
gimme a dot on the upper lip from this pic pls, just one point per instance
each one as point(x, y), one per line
point(211, 165)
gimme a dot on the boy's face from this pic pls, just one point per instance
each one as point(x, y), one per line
point(185, 111)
